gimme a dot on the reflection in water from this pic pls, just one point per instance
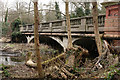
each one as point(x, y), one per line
point(6, 60)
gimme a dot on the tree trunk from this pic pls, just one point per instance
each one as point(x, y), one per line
point(36, 39)
point(29, 11)
point(68, 25)
point(96, 31)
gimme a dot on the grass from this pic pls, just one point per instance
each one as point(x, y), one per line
point(5, 71)
point(113, 70)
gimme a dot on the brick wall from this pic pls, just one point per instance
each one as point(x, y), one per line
point(112, 22)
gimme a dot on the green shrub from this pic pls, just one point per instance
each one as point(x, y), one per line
point(5, 71)
point(5, 28)
point(15, 25)
point(16, 36)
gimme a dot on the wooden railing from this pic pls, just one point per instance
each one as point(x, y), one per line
point(81, 24)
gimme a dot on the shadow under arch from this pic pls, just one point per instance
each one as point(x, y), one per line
point(19, 39)
point(89, 44)
point(50, 42)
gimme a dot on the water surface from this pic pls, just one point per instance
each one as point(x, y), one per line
point(7, 58)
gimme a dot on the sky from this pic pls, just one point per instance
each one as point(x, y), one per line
point(10, 3)
point(61, 3)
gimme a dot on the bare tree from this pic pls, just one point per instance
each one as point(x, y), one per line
point(22, 11)
point(49, 13)
point(1, 10)
point(29, 8)
point(36, 39)
point(50, 16)
point(96, 31)
point(68, 25)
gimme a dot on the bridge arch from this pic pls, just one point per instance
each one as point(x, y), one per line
point(60, 43)
point(74, 39)
point(89, 44)
point(54, 42)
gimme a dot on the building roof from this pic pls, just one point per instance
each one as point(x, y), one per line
point(106, 4)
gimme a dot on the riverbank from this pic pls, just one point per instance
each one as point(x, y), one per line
point(15, 54)
point(5, 39)
point(21, 49)
point(110, 64)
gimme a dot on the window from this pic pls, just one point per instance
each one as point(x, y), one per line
point(109, 13)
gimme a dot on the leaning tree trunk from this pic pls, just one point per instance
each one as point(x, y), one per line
point(96, 31)
point(36, 39)
point(68, 25)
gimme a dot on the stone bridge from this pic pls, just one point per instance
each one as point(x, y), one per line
point(57, 30)
point(81, 28)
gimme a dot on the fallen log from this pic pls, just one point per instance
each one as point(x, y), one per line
point(63, 75)
point(30, 63)
point(79, 55)
point(67, 72)
point(5, 48)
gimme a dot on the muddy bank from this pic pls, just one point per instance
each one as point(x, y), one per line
point(5, 39)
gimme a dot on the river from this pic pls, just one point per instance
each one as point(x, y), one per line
point(6, 59)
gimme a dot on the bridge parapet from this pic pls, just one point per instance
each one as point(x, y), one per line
point(81, 24)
